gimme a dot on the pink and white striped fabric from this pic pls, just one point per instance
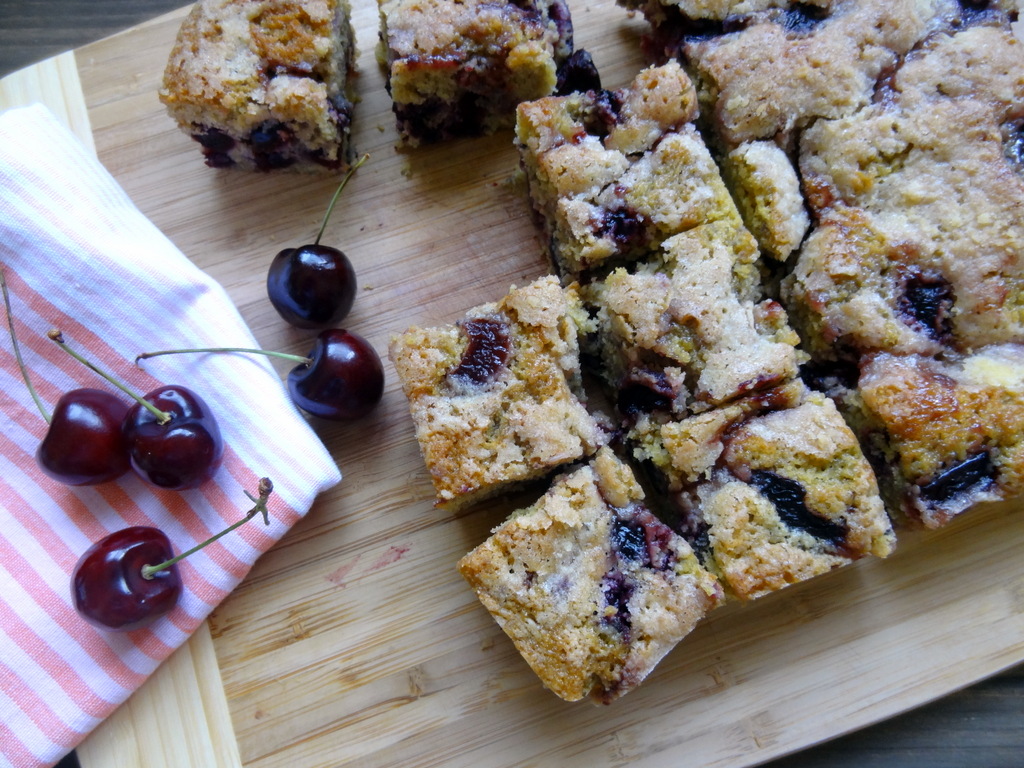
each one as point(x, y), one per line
point(80, 257)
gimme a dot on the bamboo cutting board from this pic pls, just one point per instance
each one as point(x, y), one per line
point(355, 641)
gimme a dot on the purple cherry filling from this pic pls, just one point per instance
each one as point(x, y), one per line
point(926, 303)
point(487, 352)
point(617, 589)
point(972, 475)
point(645, 392)
point(789, 499)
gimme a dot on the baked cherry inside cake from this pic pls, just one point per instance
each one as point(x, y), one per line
point(264, 84)
point(497, 398)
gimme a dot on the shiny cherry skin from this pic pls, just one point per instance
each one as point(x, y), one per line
point(84, 444)
point(313, 286)
point(344, 381)
point(181, 454)
point(107, 585)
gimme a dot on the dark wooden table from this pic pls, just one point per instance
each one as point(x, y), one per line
point(980, 727)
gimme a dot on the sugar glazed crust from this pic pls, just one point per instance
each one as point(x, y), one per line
point(589, 585)
point(497, 398)
point(264, 84)
point(459, 68)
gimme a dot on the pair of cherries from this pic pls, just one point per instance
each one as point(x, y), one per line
point(314, 287)
point(169, 436)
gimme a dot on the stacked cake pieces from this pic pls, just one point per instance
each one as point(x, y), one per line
point(264, 84)
point(903, 120)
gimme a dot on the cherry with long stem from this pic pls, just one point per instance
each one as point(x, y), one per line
point(128, 579)
point(342, 378)
point(314, 285)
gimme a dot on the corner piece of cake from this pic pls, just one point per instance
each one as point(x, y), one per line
point(497, 398)
point(946, 436)
point(459, 67)
point(589, 585)
point(770, 490)
point(264, 84)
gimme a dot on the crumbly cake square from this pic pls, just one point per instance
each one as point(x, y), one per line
point(460, 67)
point(497, 398)
point(589, 585)
point(770, 490)
point(944, 436)
point(612, 174)
point(691, 329)
point(264, 84)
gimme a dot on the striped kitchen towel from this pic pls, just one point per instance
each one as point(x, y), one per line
point(80, 257)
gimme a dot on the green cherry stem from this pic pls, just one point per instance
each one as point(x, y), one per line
point(17, 349)
point(283, 355)
point(265, 489)
point(162, 417)
point(337, 192)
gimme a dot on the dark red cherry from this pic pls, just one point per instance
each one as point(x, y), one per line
point(84, 444)
point(108, 587)
point(313, 286)
point(344, 379)
point(183, 453)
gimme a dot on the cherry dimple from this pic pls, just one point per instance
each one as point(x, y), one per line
point(343, 379)
point(180, 454)
point(109, 589)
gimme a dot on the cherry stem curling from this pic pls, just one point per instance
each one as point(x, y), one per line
point(283, 355)
point(337, 192)
point(264, 489)
point(162, 417)
point(17, 349)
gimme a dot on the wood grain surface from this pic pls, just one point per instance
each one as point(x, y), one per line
point(354, 640)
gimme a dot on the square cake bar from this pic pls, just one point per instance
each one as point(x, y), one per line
point(589, 585)
point(459, 67)
point(613, 174)
point(264, 85)
point(770, 490)
point(497, 398)
point(691, 329)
